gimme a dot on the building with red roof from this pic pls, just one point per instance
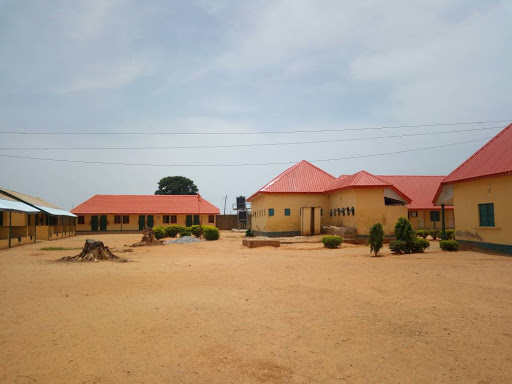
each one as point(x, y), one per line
point(134, 212)
point(480, 190)
point(304, 198)
point(423, 214)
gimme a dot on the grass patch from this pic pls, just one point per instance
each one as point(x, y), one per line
point(58, 249)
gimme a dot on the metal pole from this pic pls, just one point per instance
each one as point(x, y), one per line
point(35, 227)
point(10, 228)
point(443, 225)
point(225, 199)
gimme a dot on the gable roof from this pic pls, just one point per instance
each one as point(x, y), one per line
point(35, 202)
point(302, 177)
point(145, 204)
point(363, 179)
point(421, 189)
point(494, 158)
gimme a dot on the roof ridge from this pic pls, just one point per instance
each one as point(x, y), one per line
point(481, 149)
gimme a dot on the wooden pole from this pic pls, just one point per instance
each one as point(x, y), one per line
point(443, 225)
point(10, 228)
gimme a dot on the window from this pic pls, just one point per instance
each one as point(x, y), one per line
point(174, 219)
point(126, 219)
point(211, 218)
point(271, 211)
point(287, 211)
point(81, 220)
point(414, 213)
point(486, 213)
point(434, 215)
point(117, 219)
point(166, 219)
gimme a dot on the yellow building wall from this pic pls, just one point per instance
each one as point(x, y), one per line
point(279, 224)
point(422, 220)
point(133, 224)
point(369, 209)
point(466, 197)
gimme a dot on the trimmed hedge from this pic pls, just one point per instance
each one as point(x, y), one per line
point(195, 229)
point(185, 232)
point(211, 233)
point(449, 245)
point(422, 233)
point(332, 241)
point(173, 230)
point(434, 233)
point(401, 247)
point(450, 234)
point(159, 232)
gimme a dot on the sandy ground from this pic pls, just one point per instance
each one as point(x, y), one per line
point(216, 312)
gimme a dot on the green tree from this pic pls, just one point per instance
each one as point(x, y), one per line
point(404, 232)
point(176, 185)
point(376, 238)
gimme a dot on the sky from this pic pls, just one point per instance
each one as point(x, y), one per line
point(248, 70)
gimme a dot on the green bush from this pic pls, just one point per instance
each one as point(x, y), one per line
point(450, 234)
point(173, 230)
point(434, 233)
point(376, 238)
point(332, 241)
point(159, 232)
point(404, 231)
point(398, 247)
point(185, 232)
point(249, 233)
point(211, 233)
point(449, 245)
point(422, 233)
point(419, 245)
point(195, 229)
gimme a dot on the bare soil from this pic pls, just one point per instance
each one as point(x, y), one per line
point(217, 312)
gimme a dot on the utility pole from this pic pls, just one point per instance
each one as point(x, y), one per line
point(225, 199)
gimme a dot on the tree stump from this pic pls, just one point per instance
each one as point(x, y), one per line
point(94, 251)
point(148, 238)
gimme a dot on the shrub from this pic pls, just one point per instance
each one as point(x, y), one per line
point(195, 229)
point(398, 247)
point(422, 233)
point(376, 238)
point(173, 230)
point(159, 232)
point(434, 233)
point(211, 233)
point(450, 234)
point(249, 233)
point(404, 231)
point(419, 245)
point(332, 241)
point(185, 232)
point(449, 245)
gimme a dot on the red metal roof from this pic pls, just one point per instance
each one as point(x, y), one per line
point(302, 177)
point(363, 179)
point(494, 158)
point(145, 204)
point(421, 189)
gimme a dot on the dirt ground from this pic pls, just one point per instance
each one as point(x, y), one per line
point(217, 312)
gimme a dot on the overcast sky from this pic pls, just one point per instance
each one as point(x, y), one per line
point(244, 67)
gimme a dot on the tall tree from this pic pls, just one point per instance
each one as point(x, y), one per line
point(176, 185)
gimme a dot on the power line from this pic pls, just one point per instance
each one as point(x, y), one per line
point(247, 145)
point(240, 165)
point(249, 133)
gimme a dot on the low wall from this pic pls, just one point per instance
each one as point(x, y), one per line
point(345, 232)
point(228, 222)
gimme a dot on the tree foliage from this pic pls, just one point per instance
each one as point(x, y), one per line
point(376, 238)
point(176, 185)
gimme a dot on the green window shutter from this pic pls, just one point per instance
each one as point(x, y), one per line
point(188, 221)
point(486, 214)
point(151, 221)
point(287, 211)
point(434, 216)
point(196, 219)
point(1, 219)
point(271, 211)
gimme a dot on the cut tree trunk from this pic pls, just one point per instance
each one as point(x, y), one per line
point(94, 251)
point(148, 238)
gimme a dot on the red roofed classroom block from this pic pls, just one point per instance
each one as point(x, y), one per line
point(480, 190)
point(134, 212)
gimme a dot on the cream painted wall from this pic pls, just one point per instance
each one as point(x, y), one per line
point(468, 194)
point(422, 221)
point(133, 224)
